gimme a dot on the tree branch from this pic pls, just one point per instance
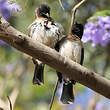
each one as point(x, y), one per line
point(49, 56)
point(60, 2)
point(9, 102)
point(74, 12)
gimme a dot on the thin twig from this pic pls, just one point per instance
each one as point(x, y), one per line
point(9, 102)
point(74, 12)
point(26, 3)
point(53, 95)
point(60, 1)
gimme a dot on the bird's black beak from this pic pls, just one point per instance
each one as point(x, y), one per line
point(47, 14)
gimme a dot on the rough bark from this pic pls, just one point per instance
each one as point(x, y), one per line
point(49, 56)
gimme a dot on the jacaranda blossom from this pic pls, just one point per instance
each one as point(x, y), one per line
point(6, 8)
point(2, 43)
point(97, 31)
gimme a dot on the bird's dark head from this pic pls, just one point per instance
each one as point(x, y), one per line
point(43, 10)
point(77, 29)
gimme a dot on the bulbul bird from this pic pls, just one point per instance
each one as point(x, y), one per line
point(46, 31)
point(71, 47)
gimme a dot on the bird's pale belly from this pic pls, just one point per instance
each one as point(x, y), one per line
point(71, 50)
point(47, 37)
point(50, 41)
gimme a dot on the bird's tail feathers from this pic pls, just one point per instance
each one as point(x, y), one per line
point(38, 74)
point(67, 96)
point(59, 77)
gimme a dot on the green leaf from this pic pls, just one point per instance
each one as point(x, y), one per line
point(99, 13)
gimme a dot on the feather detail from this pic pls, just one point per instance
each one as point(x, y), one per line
point(45, 32)
point(71, 47)
point(67, 96)
point(38, 77)
point(73, 37)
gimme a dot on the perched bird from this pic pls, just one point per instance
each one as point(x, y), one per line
point(70, 46)
point(44, 30)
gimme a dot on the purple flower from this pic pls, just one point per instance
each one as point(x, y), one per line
point(14, 7)
point(59, 93)
point(98, 31)
point(2, 43)
point(6, 8)
point(99, 106)
point(9, 67)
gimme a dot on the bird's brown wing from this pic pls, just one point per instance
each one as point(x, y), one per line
point(31, 27)
point(59, 43)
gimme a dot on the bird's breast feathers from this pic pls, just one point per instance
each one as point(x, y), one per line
point(45, 32)
point(71, 50)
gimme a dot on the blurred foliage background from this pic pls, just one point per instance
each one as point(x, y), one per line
point(16, 68)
